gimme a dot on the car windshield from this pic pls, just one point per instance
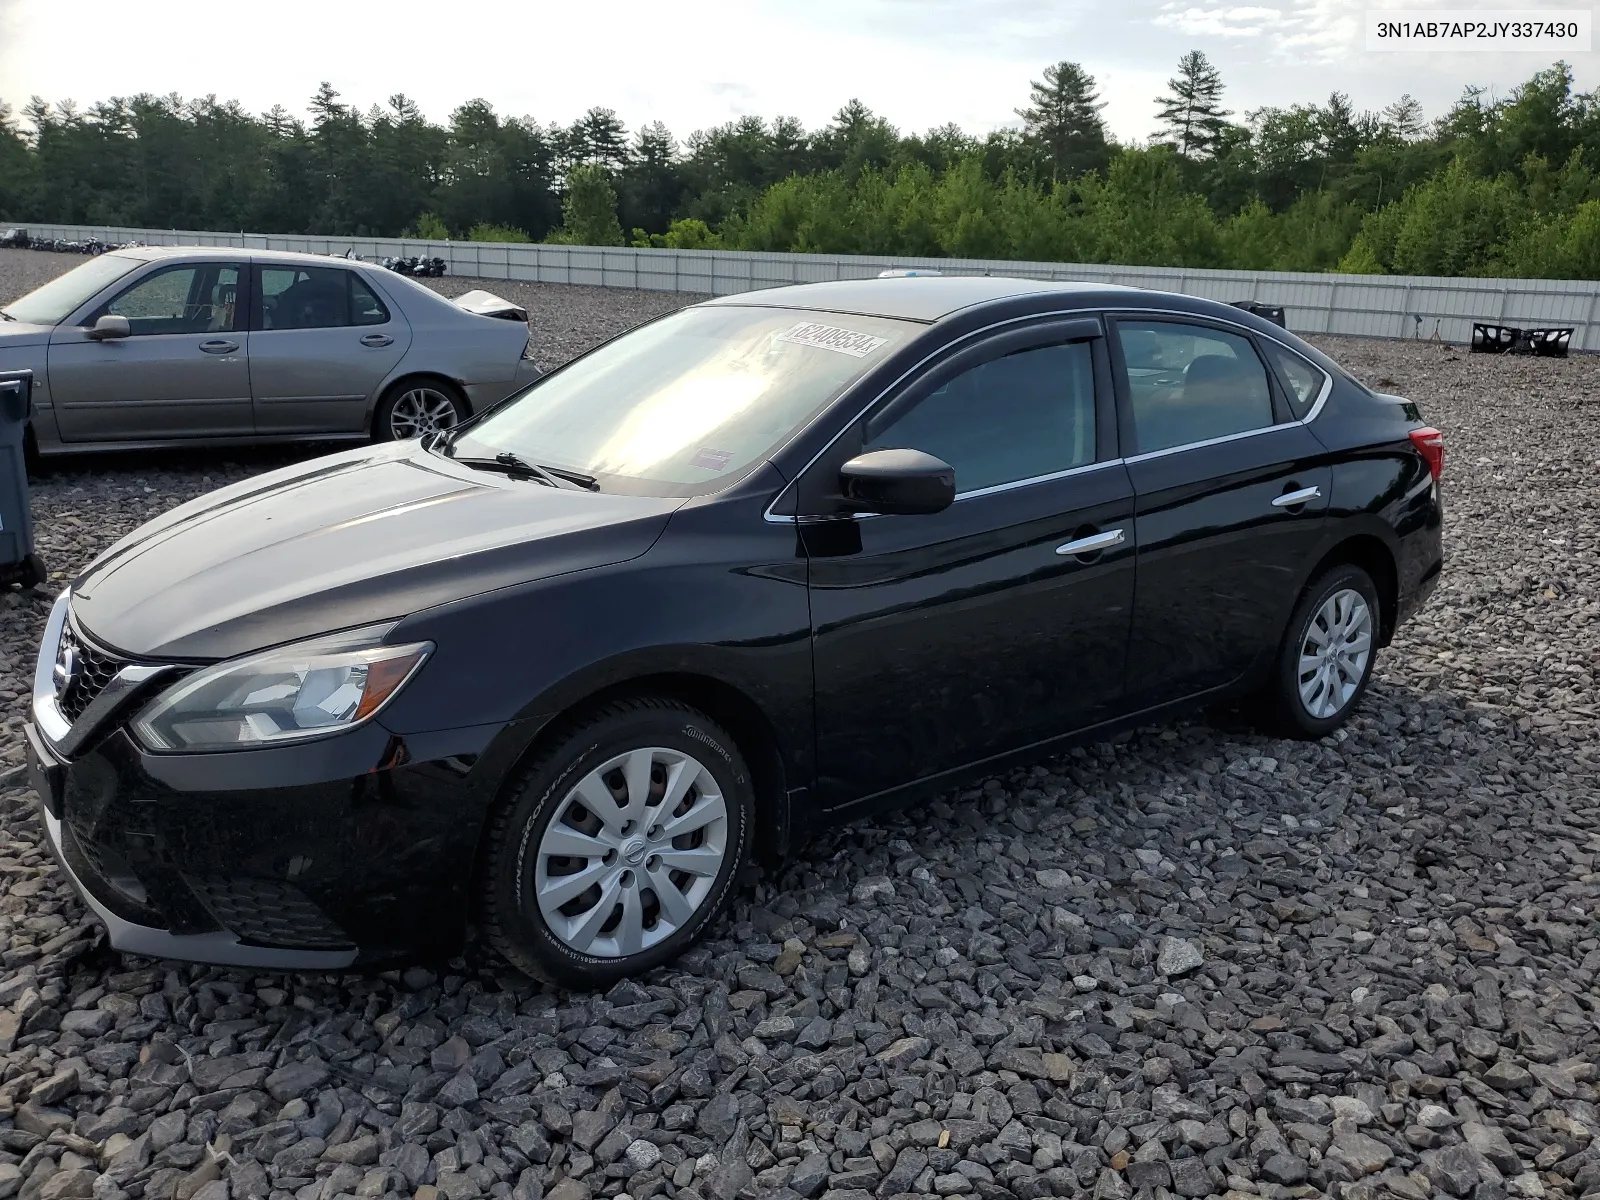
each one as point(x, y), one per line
point(64, 295)
point(682, 405)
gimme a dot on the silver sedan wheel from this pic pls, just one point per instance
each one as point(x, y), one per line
point(632, 853)
point(1335, 653)
point(421, 410)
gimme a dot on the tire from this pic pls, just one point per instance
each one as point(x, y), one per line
point(587, 939)
point(34, 572)
point(1317, 703)
point(413, 407)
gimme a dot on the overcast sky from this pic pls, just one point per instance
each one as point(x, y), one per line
point(918, 62)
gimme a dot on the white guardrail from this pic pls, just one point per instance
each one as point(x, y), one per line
point(1387, 306)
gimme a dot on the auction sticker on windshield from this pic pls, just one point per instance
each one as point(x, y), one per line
point(831, 337)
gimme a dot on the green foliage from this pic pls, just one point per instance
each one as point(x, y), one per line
point(689, 233)
point(1505, 185)
point(482, 232)
point(590, 209)
point(429, 227)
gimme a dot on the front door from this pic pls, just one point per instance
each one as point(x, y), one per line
point(323, 343)
point(183, 373)
point(942, 640)
point(1232, 502)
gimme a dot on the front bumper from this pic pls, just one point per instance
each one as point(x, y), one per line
point(352, 849)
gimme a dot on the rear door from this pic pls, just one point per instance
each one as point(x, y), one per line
point(183, 373)
point(940, 640)
point(1232, 497)
point(322, 344)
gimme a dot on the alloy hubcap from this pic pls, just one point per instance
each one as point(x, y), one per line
point(1335, 653)
point(632, 853)
point(421, 411)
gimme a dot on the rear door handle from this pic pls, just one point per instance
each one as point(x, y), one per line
point(377, 339)
point(1092, 544)
point(1290, 499)
point(218, 346)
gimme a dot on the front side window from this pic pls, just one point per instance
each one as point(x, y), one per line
point(1019, 417)
point(1190, 383)
point(1303, 380)
point(193, 298)
point(684, 403)
point(316, 298)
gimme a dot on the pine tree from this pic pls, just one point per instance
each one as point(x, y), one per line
point(1192, 115)
point(1403, 118)
point(1064, 121)
point(590, 209)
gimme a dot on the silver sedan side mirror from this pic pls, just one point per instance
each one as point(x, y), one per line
point(108, 327)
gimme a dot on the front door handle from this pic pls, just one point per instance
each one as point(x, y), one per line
point(1290, 499)
point(218, 346)
point(1092, 544)
point(376, 340)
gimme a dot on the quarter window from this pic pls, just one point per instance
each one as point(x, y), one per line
point(1302, 379)
point(1188, 383)
point(194, 298)
point(1018, 417)
point(317, 298)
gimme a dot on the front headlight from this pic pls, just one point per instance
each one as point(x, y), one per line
point(285, 695)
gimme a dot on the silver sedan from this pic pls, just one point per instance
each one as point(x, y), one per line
point(209, 346)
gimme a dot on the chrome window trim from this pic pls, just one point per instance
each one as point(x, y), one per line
point(1327, 387)
point(1216, 441)
point(1033, 479)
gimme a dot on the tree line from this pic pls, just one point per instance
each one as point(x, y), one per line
point(1506, 186)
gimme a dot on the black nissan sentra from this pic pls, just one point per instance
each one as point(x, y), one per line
point(749, 570)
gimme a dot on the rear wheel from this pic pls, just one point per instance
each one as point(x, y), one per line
point(414, 407)
point(1327, 656)
point(617, 847)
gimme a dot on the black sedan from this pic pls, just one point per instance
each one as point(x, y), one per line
point(751, 569)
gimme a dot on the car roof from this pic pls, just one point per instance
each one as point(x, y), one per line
point(916, 298)
point(235, 253)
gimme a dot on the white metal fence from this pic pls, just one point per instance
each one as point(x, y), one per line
point(1392, 306)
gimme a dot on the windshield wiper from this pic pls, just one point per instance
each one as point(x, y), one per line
point(510, 464)
point(587, 482)
point(6, 315)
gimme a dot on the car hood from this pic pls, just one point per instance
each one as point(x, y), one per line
point(17, 335)
point(353, 539)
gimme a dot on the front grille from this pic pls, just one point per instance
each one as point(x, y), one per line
point(267, 913)
point(96, 669)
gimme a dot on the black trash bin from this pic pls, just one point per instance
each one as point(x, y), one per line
point(18, 562)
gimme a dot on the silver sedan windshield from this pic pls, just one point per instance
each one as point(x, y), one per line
point(61, 297)
point(688, 401)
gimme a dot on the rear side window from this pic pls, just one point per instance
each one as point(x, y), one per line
point(1190, 383)
point(317, 298)
point(1301, 379)
point(365, 308)
point(1015, 418)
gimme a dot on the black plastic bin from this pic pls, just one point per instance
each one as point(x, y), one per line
point(18, 562)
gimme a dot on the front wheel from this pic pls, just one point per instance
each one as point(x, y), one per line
point(1326, 660)
point(617, 847)
point(414, 407)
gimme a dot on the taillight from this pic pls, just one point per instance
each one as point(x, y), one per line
point(1430, 444)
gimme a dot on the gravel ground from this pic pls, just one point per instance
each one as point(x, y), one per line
point(1191, 961)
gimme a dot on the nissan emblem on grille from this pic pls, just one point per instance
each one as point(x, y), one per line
point(67, 663)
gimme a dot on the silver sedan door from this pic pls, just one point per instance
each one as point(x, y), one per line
point(322, 343)
point(182, 373)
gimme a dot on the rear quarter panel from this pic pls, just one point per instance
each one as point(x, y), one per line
point(1382, 486)
point(447, 341)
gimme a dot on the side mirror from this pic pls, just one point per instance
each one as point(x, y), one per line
point(109, 327)
point(903, 482)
